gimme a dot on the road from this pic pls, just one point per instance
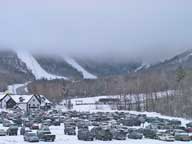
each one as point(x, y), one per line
point(19, 89)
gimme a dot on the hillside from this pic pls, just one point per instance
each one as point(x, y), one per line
point(58, 66)
point(12, 70)
point(109, 67)
point(83, 68)
point(20, 67)
point(170, 65)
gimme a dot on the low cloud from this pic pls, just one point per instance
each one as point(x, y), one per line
point(121, 29)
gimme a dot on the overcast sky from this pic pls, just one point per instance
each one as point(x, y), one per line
point(148, 29)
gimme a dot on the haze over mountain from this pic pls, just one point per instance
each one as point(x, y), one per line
point(31, 66)
point(148, 30)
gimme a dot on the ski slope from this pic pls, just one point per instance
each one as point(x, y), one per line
point(34, 66)
point(86, 74)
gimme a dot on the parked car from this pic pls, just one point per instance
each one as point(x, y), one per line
point(104, 134)
point(45, 130)
point(135, 135)
point(47, 122)
point(182, 137)
point(189, 124)
point(35, 126)
point(56, 122)
point(12, 131)
point(24, 130)
point(45, 136)
point(27, 123)
point(189, 130)
point(85, 135)
point(31, 137)
point(7, 123)
point(17, 121)
point(166, 137)
point(3, 132)
point(119, 134)
point(70, 130)
point(149, 133)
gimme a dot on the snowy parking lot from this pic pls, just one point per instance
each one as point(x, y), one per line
point(64, 139)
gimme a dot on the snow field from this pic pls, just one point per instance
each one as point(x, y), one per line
point(86, 74)
point(34, 66)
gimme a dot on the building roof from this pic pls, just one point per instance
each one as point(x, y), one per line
point(45, 99)
point(2, 96)
point(17, 98)
point(109, 100)
point(26, 98)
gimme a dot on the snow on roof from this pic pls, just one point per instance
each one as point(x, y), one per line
point(2, 96)
point(45, 99)
point(25, 98)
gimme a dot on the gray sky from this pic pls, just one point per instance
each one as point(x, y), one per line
point(148, 29)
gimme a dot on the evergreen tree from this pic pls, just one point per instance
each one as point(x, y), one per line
point(180, 74)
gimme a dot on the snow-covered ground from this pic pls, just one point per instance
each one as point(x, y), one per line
point(143, 66)
point(88, 103)
point(34, 66)
point(86, 74)
point(15, 88)
point(140, 67)
point(12, 88)
point(61, 138)
point(64, 139)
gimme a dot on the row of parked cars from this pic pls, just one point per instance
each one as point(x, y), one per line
point(34, 126)
point(121, 126)
point(104, 126)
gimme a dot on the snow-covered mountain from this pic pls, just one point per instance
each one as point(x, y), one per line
point(82, 68)
point(170, 65)
point(86, 74)
point(23, 66)
point(34, 66)
point(12, 70)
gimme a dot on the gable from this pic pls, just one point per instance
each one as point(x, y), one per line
point(10, 103)
point(6, 98)
point(33, 100)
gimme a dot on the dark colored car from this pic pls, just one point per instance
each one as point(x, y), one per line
point(7, 123)
point(56, 122)
point(149, 133)
point(70, 130)
point(119, 134)
point(103, 134)
point(135, 135)
point(85, 135)
point(12, 131)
